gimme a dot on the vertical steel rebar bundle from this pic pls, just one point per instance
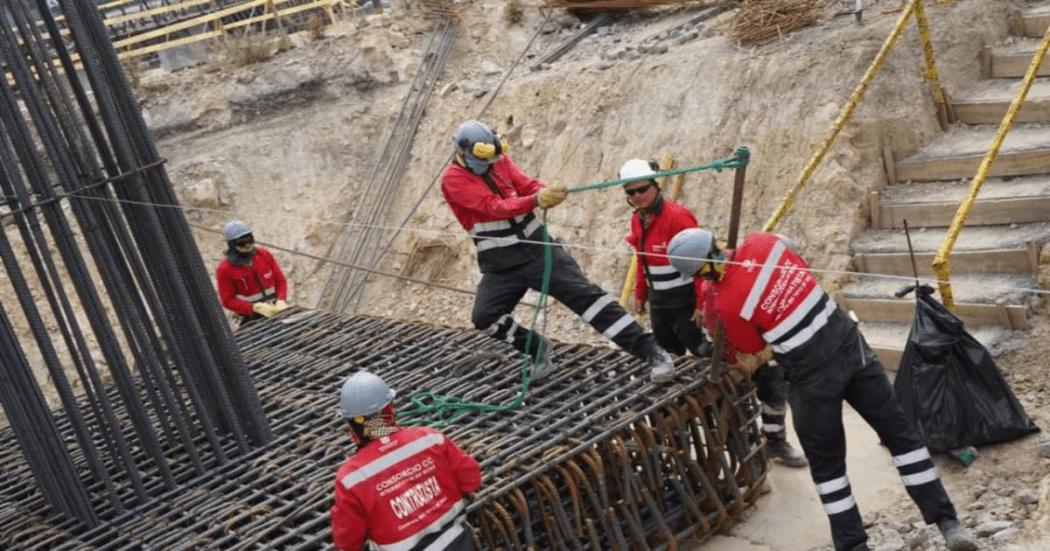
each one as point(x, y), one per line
point(364, 246)
point(597, 457)
point(109, 310)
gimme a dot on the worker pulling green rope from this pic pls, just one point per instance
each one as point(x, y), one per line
point(481, 175)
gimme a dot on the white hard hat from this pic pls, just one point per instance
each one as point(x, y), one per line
point(636, 168)
point(690, 249)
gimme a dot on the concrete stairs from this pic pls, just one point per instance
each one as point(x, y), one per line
point(996, 257)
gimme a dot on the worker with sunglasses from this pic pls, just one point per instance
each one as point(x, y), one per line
point(676, 301)
point(249, 280)
point(494, 201)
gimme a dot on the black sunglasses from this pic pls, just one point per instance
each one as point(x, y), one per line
point(244, 241)
point(637, 190)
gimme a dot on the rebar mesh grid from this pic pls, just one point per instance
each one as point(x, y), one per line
point(596, 458)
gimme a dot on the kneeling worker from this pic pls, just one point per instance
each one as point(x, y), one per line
point(249, 280)
point(404, 488)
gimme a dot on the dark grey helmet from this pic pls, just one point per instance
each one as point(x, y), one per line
point(480, 145)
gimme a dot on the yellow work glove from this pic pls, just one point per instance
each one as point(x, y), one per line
point(264, 309)
point(280, 306)
point(698, 318)
point(551, 196)
point(749, 363)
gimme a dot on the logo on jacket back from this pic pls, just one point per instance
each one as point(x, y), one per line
point(387, 484)
point(415, 497)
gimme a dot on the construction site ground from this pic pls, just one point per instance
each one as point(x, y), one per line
point(287, 144)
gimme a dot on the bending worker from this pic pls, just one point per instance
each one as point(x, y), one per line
point(676, 301)
point(404, 488)
point(763, 293)
point(249, 280)
point(494, 201)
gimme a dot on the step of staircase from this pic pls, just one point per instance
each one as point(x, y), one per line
point(988, 102)
point(888, 340)
point(1013, 64)
point(934, 204)
point(958, 152)
point(1031, 23)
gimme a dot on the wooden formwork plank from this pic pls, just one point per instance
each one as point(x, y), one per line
point(1034, 24)
point(992, 111)
point(1012, 163)
point(1016, 65)
point(1016, 210)
point(903, 311)
point(1000, 261)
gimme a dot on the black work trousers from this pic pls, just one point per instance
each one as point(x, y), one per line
point(675, 331)
point(499, 292)
point(848, 371)
point(771, 390)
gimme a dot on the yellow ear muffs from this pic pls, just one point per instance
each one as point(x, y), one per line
point(483, 150)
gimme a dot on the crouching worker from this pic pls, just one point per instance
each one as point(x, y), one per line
point(404, 488)
point(764, 293)
point(249, 280)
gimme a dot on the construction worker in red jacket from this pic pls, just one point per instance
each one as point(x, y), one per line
point(249, 280)
point(676, 301)
point(404, 489)
point(494, 201)
point(763, 293)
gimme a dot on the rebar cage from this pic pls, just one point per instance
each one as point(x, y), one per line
point(596, 457)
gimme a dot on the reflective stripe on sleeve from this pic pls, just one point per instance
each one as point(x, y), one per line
point(377, 465)
point(768, 266)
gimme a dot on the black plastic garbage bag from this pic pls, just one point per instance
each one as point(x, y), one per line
point(949, 384)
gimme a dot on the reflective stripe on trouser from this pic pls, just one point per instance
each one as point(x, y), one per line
point(499, 292)
point(771, 390)
point(849, 371)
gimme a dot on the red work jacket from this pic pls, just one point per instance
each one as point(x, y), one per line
point(655, 271)
point(399, 489)
point(240, 286)
point(768, 295)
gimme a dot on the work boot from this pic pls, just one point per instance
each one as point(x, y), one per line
point(780, 448)
point(956, 538)
point(861, 547)
point(661, 366)
point(545, 364)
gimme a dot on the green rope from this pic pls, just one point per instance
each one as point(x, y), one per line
point(435, 410)
point(739, 161)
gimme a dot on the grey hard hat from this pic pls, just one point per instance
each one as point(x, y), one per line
point(473, 132)
point(689, 249)
point(636, 168)
point(235, 230)
point(364, 394)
